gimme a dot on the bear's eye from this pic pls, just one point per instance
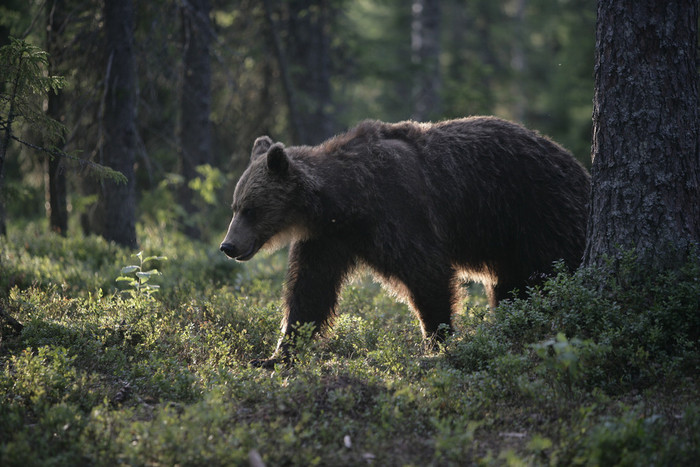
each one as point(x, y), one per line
point(248, 212)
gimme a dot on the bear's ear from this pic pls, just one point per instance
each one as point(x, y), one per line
point(260, 147)
point(277, 160)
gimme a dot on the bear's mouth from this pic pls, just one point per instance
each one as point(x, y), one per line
point(248, 254)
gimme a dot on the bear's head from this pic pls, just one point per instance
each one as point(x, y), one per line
point(266, 202)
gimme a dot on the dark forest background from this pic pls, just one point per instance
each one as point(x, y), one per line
point(109, 357)
point(212, 76)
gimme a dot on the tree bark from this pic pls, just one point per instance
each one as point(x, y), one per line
point(58, 212)
point(118, 201)
point(195, 99)
point(646, 162)
point(425, 55)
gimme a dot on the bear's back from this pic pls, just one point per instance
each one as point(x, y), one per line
point(526, 195)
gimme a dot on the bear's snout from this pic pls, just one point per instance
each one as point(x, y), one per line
point(228, 249)
point(235, 251)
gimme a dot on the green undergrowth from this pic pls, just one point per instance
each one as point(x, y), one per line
point(104, 373)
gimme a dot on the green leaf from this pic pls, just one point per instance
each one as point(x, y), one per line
point(130, 269)
point(152, 272)
point(158, 258)
point(142, 279)
point(132, 282)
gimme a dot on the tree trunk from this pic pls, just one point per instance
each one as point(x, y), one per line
point(195, 99)
point(3, 151)
point(3, 214)
point(425, 55)
point(289, 91)
point(646, 163)
point(4, 145)
point(308, 52)
point(118, 201)
point(58, 212)
point(518, 61)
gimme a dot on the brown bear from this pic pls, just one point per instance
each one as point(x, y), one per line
point(423, 205)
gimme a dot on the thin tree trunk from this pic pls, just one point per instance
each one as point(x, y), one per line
point(518, 61)
point(58, 212)
point(425, 55)
point(58, 207)
point(3, 214)
point(298, 135)
point(3, 151)
point(195, 99)
point(646, 162)
point(308, 53)
point(4, 144)
point(118, 201)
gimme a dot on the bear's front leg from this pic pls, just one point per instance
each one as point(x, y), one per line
point(316, 272)
point(433, 296)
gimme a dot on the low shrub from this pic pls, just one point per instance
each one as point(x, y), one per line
point(597, 330)
point(578, 374)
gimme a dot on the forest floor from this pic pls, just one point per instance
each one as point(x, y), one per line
point(108, 372)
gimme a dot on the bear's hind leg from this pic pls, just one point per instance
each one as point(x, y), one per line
point(503, 290)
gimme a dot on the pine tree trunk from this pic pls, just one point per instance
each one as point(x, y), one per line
point(195, 126)
point(3, 213)
point(118, 201)
point(285, 75)
point(646, 163)
point(518, 61)
point(4, 144)
point(309, 60)
point(425, 55)
point(58, 212)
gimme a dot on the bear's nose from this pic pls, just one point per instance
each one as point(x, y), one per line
point(229, 249)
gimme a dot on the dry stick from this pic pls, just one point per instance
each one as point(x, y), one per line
point(16, 325)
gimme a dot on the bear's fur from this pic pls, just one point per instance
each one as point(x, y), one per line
point(422, 205)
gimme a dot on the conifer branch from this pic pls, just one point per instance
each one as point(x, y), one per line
point(99, 170)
